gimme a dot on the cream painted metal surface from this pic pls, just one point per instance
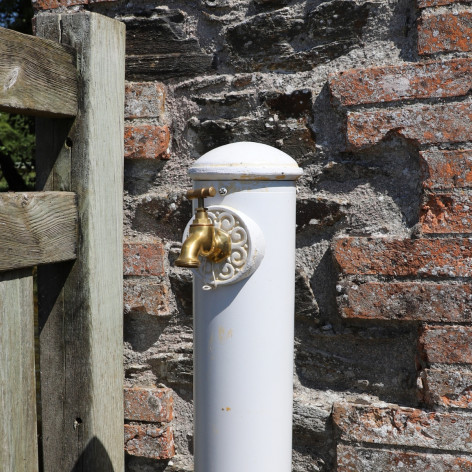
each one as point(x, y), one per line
point(243, 339)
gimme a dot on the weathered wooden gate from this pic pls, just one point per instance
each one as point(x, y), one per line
point(73, 81)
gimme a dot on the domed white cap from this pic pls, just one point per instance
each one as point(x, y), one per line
point(245, 161)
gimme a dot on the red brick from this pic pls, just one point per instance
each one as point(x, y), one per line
point(415, 301)
point(51, 4)
point(404, 257)
point(445, 32)
point(144, 99)
point(397, 426)
point(452, 389)
point(357, 458)
point(146, 297)
point(438, 3)
point(146, 141)
point(406, 81)
point(149, 441)
point(446, 344)
point(446, 213)
point(150, 404)
point(446, 169)
point(449, 123)
point(143, 258)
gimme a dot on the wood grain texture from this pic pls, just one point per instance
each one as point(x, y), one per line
point(37, 77)
point(81, 304)
point(37, 228)
point(18, 445)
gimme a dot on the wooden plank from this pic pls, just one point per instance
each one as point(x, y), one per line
point(37, 228)
point(18, 447)
point(37, 77)
point(81, 305)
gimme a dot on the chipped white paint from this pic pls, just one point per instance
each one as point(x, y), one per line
point(243, 331)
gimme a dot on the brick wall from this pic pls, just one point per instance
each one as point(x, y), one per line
point(372, 100)
point(424, 279)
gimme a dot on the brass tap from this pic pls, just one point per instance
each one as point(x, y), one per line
point(203, 239)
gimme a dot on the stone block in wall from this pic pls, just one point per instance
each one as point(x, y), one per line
point(311, 417)
point(172, 361)
point(296, 138)
point(305, 303)
point(273, 118)
point(367, 459)
point(150, 441)
point(168, 66)
point(181, 285)
point(450, 123)
point(445, 32)
point(438, 79)
point(265, 3)
point(282, 40)
point(166, 32)
point(409, 301)
point(341, 21)
point(280, 119)
point(163, 214)
point(446, 169)
point(446, 344)
point(320, 212)
point(146, 141)
point(383, 364)
point(447, 389)
point(146, 297)
point(144, 100)
point(406, 427)
point(446, 213)
point(226, 106)
point(296, 104)
point(175, 366)
point(161, 47)
point(150, 404)
point(143, 258)
point(404, 257)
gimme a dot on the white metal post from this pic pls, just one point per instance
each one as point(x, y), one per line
point(243, 328)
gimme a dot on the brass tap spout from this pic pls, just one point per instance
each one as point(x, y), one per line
point(204, 239)
point(199, 241)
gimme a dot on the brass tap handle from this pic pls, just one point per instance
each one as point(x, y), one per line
point(201, 193)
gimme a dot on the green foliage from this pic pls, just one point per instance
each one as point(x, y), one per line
point(17, 132)
point(17, 141)
point(16, 15)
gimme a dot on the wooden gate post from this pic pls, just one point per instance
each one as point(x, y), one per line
point(81, 310)
point(18, 447)
point(36, 228)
